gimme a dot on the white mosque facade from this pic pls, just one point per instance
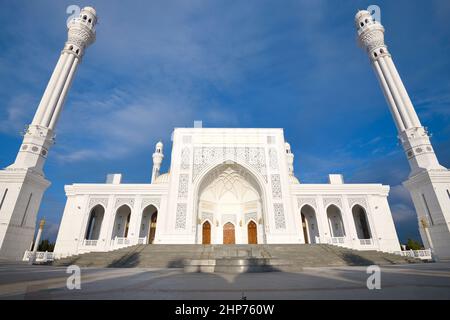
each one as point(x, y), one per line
point(225, 186)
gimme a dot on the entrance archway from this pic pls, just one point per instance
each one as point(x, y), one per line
point(230, 192)
point(252, 233)
point(309, 224)
point(335, 221)
point(206, 233)
point(228, 233)
point(361, 224)
point(121, 221)
point(148, 223)
point(152, 233)
point(95, 223)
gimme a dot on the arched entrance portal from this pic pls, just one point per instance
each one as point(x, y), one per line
point(228, 233)
point(230, 194)
point(147, 231)
point(309, 224)
point(151, 234)
point(206, 233)
point(252, 234)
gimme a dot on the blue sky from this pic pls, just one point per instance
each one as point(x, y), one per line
point(157, 65)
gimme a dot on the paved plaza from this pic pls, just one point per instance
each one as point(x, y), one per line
point(414, 281)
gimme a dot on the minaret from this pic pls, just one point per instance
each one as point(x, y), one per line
point(290, 159)
point(428, 182)
point(22, 184)
point(157, 160)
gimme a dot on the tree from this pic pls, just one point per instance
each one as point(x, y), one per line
point(46, 245)
point(413, 245)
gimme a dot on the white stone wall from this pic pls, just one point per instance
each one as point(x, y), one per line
point(259, 159)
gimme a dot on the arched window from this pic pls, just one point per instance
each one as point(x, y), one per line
point(120, 222)
point(94, 225)
point(148, 223)
point(335, 221)
point(361, 223)
point(309, 224)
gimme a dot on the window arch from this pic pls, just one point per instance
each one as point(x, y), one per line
point(94, 225)
point(121, 222)
point(148, 223)
point(309, 224)
point(335, 222)
point(361, 223)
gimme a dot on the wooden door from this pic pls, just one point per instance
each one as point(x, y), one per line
point(252, 233)
point(206, 238)
point(228, 233)
point(151, 236)
point(305, 228)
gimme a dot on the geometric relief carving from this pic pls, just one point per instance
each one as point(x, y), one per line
point(94, 201)
point(207, 216)
point(276, 186)
point(280, 222)
point(361, 201)
point(228, 218)
point(253, 156)
point(122, 201)
point(308, 201)
point(148, 201)
point(183, 186)
point(180, 222)
point(250, 216)
point(335, 201)
point(185, 155)
point(273, 161)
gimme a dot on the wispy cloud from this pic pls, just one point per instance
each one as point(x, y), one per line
point(17, 113)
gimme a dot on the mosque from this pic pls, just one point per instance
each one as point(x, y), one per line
point(224, 185)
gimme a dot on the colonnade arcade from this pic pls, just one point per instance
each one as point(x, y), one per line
point(120, 228)
point(335, 225)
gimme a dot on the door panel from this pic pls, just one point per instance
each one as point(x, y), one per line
point(228, 234)
point(252, 233)
point(206, 238)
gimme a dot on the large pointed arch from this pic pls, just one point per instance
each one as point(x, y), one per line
point(212, 170)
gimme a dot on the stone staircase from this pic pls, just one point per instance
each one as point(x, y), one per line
point(234, 258)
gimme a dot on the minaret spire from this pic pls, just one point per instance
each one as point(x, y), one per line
point(413, 136)
point(158, 157)
point(428, 182)
point(22, 184)
point(39, 135)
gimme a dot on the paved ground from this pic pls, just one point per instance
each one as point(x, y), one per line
point(420, 281)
